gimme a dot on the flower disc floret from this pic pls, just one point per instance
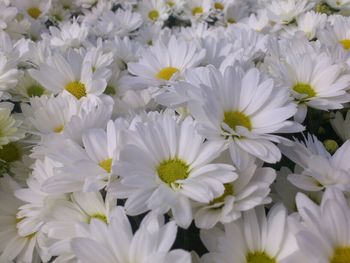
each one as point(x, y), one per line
point(306, 89)
point(166, 73)
point(76, 88)
point(170, 171)
point(236, 118)
point(34, 12)
point(341, 255)
point(259, 257)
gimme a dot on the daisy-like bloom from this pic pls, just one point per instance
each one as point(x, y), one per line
point(168, 165)
point(259, 21)
point(315, 80)
point(61, 223)
point(249, 190)
point(164, 62)
point(198, 8)
point(71, 75)
point(33, 9)
point(253, 238)
point(237, 107)
point(154, 11)
point(27, 88)
point(86, 168)
point(10, 129)
point(324, 235)
point(341, 125)
point(285, 11)
point(235, 12)
point(310, 23)
point(121, 23)
point(49, 114)
point(338, 33)
point(17, 242)
point(68, 35)
point(150, 243)
point(319, 170)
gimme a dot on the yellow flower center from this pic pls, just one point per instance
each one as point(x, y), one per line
point(170, 3)
point(341, 255)
point(259, 257)
point(76, 88)
point(170, 171)
point(197, 10)
point(231, 21)
point(219, 6)
point(236, 118)
point(303, 88)
point(10, 153)
point(34, 12)
point(59, 129)
point(153, 15)
point(35, 91)
point(166, 73)
point(101, 217)
point(228, 191)
point(345, 43)
point(106, 165)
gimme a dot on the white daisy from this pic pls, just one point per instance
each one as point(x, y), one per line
point(150, 243)
point(324, 235)
point(154, 11)
point(250, 189)
point(33, 9)
point(237, 107)
point(71, 75)
point(319, 170)
point(337, 33)
point(10, 129)
point(253, 238)
point(164, 62)
point(341, 125)
point(168, 165)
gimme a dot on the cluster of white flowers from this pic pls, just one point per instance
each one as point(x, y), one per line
point(174, 131)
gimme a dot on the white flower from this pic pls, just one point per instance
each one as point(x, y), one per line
point(69, 35)
point(65, 215)
point(154, 11)
point(10, 129)
point(15, 244)
point(86, 168)
point(196, 9)
point(151, 242)
point(253, 238)
point(339, 4)
point(33, 9)
point(320, 170)
point(336, 33)
point(285, 11)
point(237, 107)
point(341, 125)
point(71, 75)
point(314, 79)
point(168, 165)
point(249, 190)
point(324, 235)
point(164, 62)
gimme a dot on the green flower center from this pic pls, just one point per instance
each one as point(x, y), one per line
point(166, 73)
point(170, 171)
point(303, 88)
point(34, 12)
point(77, 89)
point(197, 10)
point(236, 118)
point(345, 43)
point(341, 255)
point(153, 15)
point(111, 91)
point(101, 217)
point(35, 91)
point(106, 165)
point(259, 257)
point(10, 153)
point(229, 190)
